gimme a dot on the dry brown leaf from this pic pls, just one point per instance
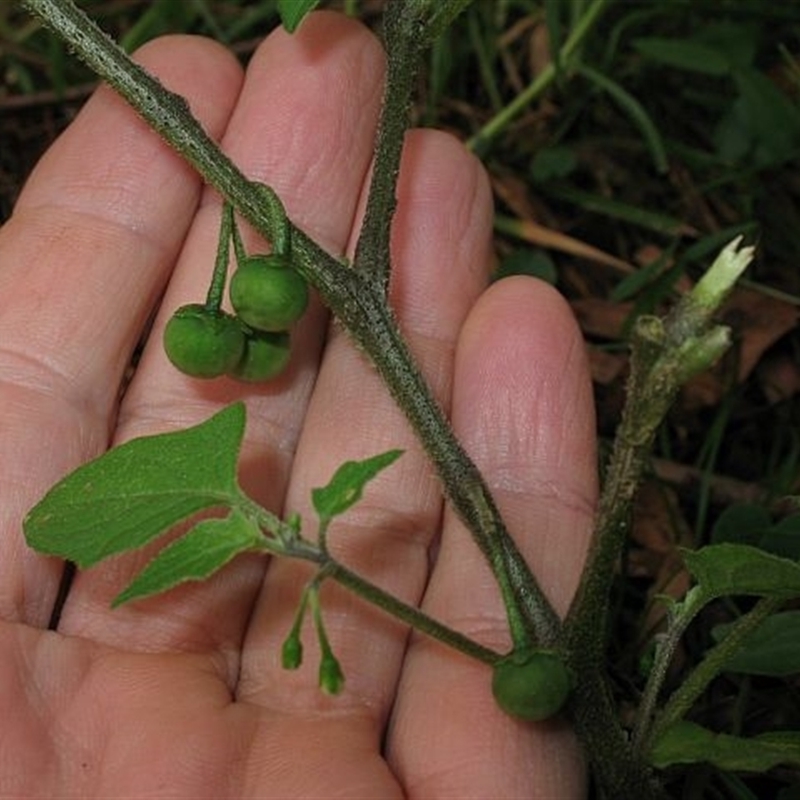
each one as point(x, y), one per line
point(514, 194)
point(779, 378)
point(758, 322)
point(599, 317)
point(606, 367)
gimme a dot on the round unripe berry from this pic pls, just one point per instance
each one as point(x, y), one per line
point(265, 356)
point(531, 686)
point(267, 294)
point(203, 343)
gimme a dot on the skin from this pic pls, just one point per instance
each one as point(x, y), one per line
point(183, 695)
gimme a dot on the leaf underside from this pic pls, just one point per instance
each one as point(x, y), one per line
point(199, 553)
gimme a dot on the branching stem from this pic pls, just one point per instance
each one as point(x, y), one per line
point(712, 664)
point(357, 302)
point(283, 539)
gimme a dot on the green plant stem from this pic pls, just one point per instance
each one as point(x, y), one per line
point(635, 111)
point(621, 774)
point(665, 354)
point(360, 307)
point(665, 650)
point(283, 539)
point(403, 53)
point(654, 380)
point(216, 289)
point(698, 680)
point(409, 614)
point(438, 15)
point(650, 393)
point(366, 316)
point(238, 245)
point(480, 142)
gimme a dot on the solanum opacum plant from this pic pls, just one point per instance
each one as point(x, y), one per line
point(553, 666)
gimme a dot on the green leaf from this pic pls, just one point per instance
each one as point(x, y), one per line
point(207, 547)
point(131, 494)
point(746, 523)
point(684, 54)
point(741, 523)
point(294, 11)
point(528, 261)
point(773, 649)
point(688, 743)
point(632, 284)
point(727, 569)
point(552, 163)
point(347, 484)
point(783, 538)
point(769, 116)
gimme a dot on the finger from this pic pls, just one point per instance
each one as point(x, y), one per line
point(85, 256)
point(440, 243)
point(522, 405)
point(304, 124)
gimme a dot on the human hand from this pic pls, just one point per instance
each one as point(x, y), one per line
point(183, 695)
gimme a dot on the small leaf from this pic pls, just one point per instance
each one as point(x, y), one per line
point(730, 569)
point(773, 649)
point(687, 743)
point(347, 484)
point(207, 547)
point(294, 11)
point(131, 494)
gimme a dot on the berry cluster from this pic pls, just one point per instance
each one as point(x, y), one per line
point(268, 296)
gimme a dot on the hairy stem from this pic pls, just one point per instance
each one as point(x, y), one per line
point(283, 539)
point(403, 51)
point(665, 650)
point(620, 773)
point(409, 614)
point(364, 313)
point(216, 289)
point(695, 684)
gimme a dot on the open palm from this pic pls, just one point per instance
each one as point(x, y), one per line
point(183, 695)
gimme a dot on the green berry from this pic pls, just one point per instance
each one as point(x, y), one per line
point(203, 343)
point(531, 686)
point(267, 294)
point(265, 356)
